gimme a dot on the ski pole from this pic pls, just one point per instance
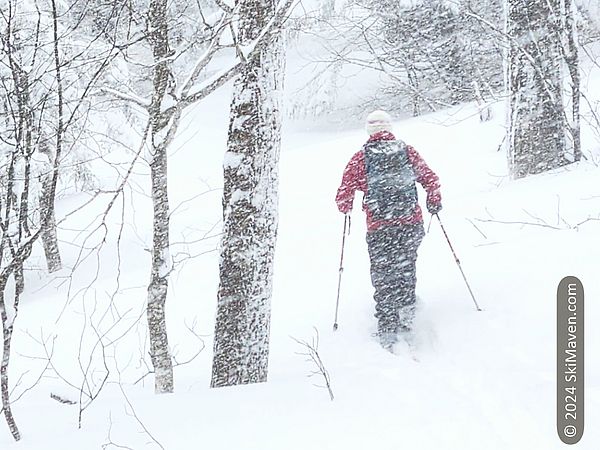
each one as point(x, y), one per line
point(337, 303)
point(430, 222)
point(458, 263)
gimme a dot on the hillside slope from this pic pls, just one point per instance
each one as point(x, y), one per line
point(484, 380)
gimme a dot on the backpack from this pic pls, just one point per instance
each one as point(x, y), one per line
point(391, 189)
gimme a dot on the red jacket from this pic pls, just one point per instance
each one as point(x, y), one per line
point(355, 179)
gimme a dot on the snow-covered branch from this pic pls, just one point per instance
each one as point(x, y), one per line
point(127, 97)
point(207, 56)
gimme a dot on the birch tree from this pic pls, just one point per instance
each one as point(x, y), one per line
point(17, 228)
point(570, 54)
point(46, 81)
point(250, 198)
point(173, 89)
point(542, 134)
point(164, 111)
point(157, 289)
point(26, 127)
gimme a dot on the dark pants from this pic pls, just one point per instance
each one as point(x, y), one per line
point(393, 254)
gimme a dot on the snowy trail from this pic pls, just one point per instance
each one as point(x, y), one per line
point(488, 376)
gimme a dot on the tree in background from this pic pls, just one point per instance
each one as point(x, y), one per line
point(542, 134)
point(430, 54)
point(438, 49)
point(44, 89)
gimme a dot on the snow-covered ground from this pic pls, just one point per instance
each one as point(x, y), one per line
point(484, 380)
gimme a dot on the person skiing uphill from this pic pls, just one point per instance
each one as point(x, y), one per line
point(386, 170)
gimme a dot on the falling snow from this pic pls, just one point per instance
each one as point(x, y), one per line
point(169, 222)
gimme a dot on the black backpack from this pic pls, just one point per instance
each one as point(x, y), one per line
point(391, 189)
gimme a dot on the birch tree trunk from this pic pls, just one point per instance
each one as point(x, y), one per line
point(7, 331)
point(160, 353)
point(250, 199)
point(571, 58)
point(538, 138)
point(27, 137)
point(49, 236)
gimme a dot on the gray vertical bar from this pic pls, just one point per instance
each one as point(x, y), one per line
point(569, 360)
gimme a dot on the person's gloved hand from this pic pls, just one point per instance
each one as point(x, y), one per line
point(434, 202)
point(434, 208)
point(345, 207)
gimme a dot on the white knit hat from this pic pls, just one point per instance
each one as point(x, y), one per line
point(378, 121)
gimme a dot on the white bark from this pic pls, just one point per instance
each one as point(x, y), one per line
point(160, 353)
point(49, 235)
point(250, 199)
point(537, 136)
point(7, 330)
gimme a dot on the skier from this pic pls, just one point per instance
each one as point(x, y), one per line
point(385, 170)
